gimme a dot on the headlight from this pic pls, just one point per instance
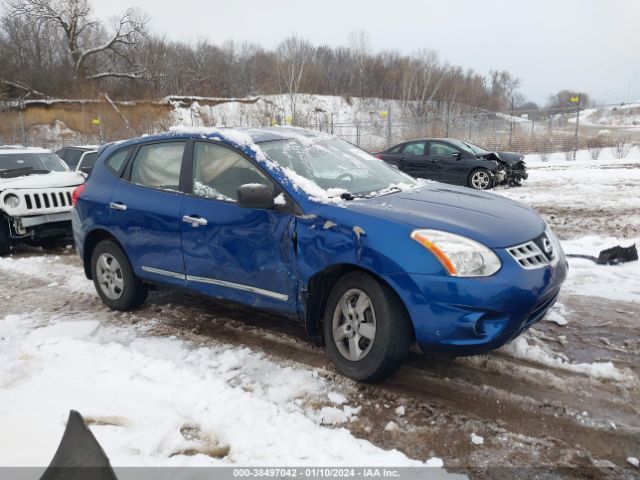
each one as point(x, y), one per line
point(460, 256)
point(557, 248)
point(12, 201)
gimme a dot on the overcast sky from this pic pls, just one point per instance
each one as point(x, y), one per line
point(591, 45)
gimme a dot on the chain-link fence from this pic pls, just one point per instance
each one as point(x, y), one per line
point(616, 127)
point(524, 132)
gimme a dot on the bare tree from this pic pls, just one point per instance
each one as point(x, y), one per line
point(293, 55)
point(360, 46)
point(88, 42)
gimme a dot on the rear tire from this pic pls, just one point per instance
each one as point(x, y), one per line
point(480, 179)
point(377, 350)
point(5, 242)
point(113, 277)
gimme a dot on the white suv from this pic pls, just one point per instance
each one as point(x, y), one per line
point(36, 188)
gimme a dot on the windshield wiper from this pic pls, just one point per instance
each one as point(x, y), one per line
point(19, 172)
point(388, 191)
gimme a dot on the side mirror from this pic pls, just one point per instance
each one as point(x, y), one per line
point(254, 195)
point(456, 155)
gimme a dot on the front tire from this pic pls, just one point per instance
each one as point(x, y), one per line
point(481, 179)
point(366, 328)
point(5, 242)
point(113, 277)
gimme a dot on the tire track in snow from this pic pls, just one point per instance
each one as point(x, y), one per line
point(468, 388)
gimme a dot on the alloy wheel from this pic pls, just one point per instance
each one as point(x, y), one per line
point(480, 180)
point(354, 325)
point(109, 275)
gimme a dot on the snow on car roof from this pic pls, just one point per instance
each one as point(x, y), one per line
point(84, 147)
point(8, 149)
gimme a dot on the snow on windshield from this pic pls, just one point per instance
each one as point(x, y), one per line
point(328, 168)
point(322, 166)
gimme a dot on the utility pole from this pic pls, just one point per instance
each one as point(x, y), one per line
point(511, 123)
point(575, 140)
point(21, 116)
point(389, 126)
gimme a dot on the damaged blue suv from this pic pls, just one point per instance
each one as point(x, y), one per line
point(309, 226)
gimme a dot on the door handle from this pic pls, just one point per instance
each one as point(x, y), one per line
point(118, 206)
point(194, 221)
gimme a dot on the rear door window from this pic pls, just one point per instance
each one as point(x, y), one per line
point(158, 165)
point(415, 148)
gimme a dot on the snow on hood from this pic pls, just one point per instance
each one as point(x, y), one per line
point(46, 180)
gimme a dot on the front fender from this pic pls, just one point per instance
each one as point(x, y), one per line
point(339, 240)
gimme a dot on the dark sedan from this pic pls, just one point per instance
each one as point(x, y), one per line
point(453, 161)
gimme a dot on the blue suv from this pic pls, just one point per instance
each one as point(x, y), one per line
point(311, 227)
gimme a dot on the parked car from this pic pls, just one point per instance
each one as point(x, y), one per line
point(453, 161)
point(35, 196)
point(312, 227)
point(81, 158)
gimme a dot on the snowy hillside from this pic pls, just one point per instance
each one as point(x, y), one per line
point(626, 117)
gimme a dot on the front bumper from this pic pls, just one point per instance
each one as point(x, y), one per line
point(40, 225)
point(466, 316)
point(499, 177)
point(518, 175)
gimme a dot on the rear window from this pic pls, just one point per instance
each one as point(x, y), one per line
point(71, 156)
point(89, 160)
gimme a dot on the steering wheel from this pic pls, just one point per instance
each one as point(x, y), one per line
point(344, 176)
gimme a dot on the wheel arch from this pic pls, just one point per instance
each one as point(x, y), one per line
point(92, 239)
point(317, 293)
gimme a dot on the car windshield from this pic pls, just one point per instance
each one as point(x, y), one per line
point(35, 161)
point(337, 167)
point(475, 149)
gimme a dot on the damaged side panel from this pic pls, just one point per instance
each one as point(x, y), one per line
point(328, 247)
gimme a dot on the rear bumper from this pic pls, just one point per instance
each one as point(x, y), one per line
point(461, 316)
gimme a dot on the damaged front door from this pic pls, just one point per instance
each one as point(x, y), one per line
point(242, 254)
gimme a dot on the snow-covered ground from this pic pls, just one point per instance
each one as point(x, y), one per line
point(606, 157)
point(188, 399)
point(142, 394)
point(625, 117)
point(599, 203)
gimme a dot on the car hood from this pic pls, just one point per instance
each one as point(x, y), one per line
point(488, 218)
point(45, 180)
point(511, 158)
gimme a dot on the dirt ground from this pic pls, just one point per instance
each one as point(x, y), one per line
point(527, 413)
point(537, 421)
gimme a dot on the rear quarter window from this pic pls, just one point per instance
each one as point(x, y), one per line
point(115, 163)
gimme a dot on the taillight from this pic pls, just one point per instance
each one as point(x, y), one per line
point(378, 155)
point(76, 194)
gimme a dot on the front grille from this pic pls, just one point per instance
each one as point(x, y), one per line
point(536, 253)
point(35, 201)
point(39, 201)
